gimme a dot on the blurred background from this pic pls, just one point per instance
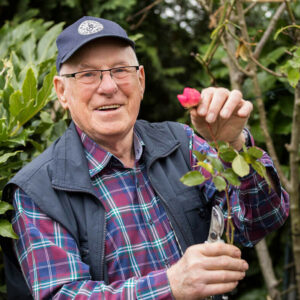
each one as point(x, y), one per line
point(246, 45)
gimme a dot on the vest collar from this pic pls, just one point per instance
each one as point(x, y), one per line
point(70, 168)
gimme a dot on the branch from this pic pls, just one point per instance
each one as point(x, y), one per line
point(269, 30)
point(144, 10)
point(293, 148)
point(205, 6)
point(267, 269)
point(265, 68)
point(290, 11)
point(259, 100)
point(246, 10)
point(264, 127)
point(234, 60)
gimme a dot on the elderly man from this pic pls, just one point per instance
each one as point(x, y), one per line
point(102, 214)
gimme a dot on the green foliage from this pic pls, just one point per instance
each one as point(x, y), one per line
point(221, 175)
point(27, 56)
point(292, 67)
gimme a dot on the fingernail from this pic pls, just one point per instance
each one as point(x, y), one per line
point(202, 111)
point(210, 118)
point(245, 266)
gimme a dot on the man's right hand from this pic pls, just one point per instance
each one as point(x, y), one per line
point(206, 270)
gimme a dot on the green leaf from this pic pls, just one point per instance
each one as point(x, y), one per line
point(255, 152)
point(6, 230)
point(29, 86)
point(208, 167)
point(231, 177)
point(200, 156)
point(293, 77)
point(240, 166)
point(4, 207)
point(220, 183)
point(227, 154)
point(45, 91)
point(15, 103)
point(192, 178)
point(46, 43)
point(6, 156)
point(216, 163)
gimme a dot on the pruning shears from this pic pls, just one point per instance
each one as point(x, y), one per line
point(216, 225)
point(216, 229)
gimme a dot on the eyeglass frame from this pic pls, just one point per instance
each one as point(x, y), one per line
point(73, 75)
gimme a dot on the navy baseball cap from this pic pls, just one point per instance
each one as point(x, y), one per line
point(83, 31)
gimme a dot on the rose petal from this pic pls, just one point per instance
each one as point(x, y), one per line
point(189, 98)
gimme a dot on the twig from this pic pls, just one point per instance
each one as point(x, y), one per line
point(234, 60)
point(249, 8)
point(138, 24)
point(269, 30)
point(290, 11)
point(214, 43)
point(206, 67)
point(145, 9)
point(205, 6)
point(265, 68)
point(292, 288)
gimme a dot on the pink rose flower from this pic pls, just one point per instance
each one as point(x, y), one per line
point(189, 98)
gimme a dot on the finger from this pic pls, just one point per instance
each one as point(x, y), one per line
point(206, 97)
point(218, 249)
point(220, 96)
point(222, 276)
point(217, 289)
point(233, 102)
point(224, 263)
point(245, 109)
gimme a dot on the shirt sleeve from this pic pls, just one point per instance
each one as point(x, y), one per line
point(256, 210)
point(52, 266)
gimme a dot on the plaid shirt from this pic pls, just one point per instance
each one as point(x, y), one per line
point(140, 243)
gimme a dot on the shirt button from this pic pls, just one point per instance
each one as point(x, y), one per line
point(150, 221)
point(166, 262)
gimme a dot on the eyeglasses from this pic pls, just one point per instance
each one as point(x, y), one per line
point(118, 74)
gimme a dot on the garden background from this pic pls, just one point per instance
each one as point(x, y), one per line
point(246, 45)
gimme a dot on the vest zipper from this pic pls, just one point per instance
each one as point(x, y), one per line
point(168, 210)
point(103, 249)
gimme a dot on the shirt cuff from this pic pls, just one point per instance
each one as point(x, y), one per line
point(155, 286)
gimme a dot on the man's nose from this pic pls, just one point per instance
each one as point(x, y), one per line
point(107, 83)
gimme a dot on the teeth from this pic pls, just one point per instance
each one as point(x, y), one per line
point(109, 106)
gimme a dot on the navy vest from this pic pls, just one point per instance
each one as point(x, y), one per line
point(59, 183)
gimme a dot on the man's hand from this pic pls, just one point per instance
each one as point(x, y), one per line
point(206, 270)
point(223, 114)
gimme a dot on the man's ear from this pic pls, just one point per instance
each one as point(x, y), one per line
point(60, 88)
point(142, 79)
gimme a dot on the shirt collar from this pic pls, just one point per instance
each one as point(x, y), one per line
point(98, 158)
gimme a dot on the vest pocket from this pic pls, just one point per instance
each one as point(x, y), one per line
point(197, 211)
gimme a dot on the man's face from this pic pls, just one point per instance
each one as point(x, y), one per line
point(87, 102)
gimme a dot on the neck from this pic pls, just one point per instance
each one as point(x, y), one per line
point(121, 147)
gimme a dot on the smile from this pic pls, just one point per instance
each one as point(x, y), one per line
point(109, 107)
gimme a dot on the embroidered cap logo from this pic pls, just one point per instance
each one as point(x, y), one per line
point(89, 27)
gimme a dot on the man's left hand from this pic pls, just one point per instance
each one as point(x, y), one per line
point(222, 115)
